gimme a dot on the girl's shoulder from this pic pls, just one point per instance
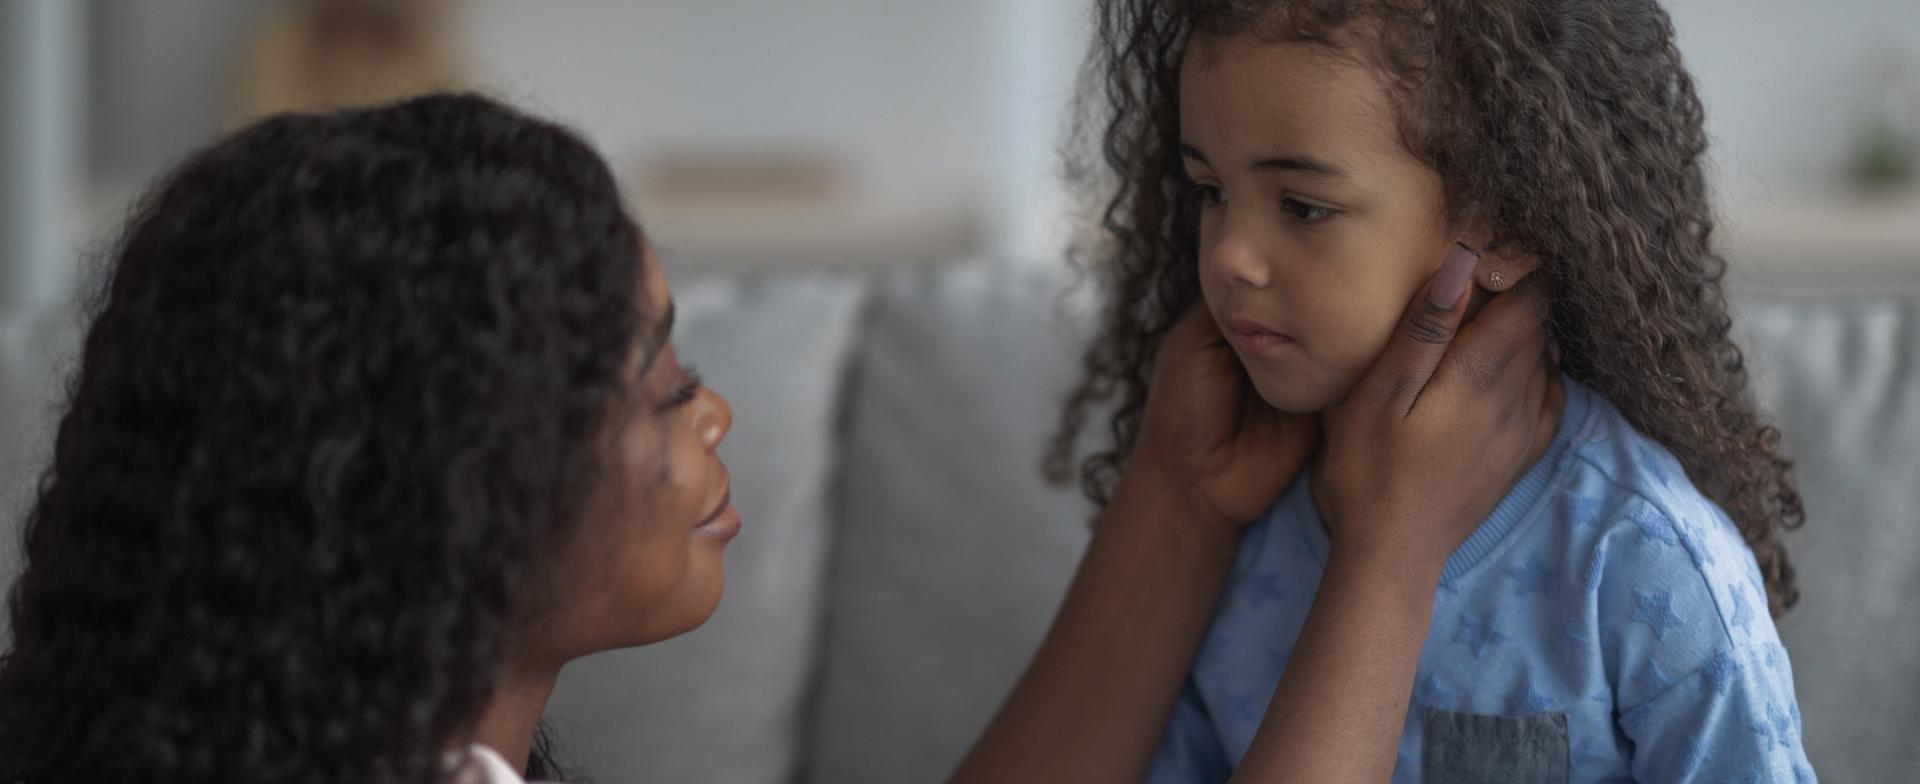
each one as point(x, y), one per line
point(1611, 460)
point(1650, 540)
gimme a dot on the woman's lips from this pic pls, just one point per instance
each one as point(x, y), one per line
point(1251, 337)
point(723, 523)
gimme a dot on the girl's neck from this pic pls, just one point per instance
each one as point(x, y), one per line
point(513, 715)
point(1544, 432)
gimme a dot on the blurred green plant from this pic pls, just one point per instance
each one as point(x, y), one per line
point(1884, 158)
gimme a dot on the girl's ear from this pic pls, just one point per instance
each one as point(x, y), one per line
point(1500, 268)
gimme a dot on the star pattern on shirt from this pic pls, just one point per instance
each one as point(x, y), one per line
point(1568, 640)
point(1655, 609)
point(1268, 588)
point(1720, 673)
point(1765, 731)
point(1783, 725)
point(1584, 511)
point(1651, 681)
point(1776, 729)
point(1529, 701)
point(1534, 576)
point(1479, 632)
point(1742, 611)
point(1435, 694)
point(1656, 528)
point(1249, 707)
point(1774, 655)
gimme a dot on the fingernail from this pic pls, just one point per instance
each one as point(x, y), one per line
point(1454, 277)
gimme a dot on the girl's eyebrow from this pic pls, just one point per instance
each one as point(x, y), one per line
point(1305, 164)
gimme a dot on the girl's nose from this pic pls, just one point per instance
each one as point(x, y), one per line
point(1238, 260)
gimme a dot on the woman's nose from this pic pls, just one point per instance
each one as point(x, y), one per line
point(714, 418)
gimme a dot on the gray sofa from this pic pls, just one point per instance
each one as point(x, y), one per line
point(902, 557)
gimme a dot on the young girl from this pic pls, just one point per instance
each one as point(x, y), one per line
point(1299, 167)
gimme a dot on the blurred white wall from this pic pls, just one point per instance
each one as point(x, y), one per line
point(1786, 81)
point(160, 77)
point(904, 90)
point(950, 105)
point(40, 118)
point(942, 106)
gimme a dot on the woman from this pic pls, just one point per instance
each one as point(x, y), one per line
point(378, 424)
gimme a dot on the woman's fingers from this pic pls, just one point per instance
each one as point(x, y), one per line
point(1426, 329)
point(1500, 345)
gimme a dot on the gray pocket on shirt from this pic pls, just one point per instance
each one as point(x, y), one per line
point(1466, 748)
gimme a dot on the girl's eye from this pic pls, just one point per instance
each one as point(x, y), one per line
point(1307, 213)
point(687, 391)
point(1207, 195)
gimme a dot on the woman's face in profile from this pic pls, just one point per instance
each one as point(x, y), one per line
point(647, 564)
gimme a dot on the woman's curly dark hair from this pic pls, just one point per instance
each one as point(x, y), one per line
point(1569, 127)
point(345, 391)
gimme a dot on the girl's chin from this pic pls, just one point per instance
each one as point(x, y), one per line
point(1294, 397)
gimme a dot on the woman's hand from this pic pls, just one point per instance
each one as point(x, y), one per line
point(1207, 434)
point(1439, 429)
point(1425, 447)
point(1210, 458)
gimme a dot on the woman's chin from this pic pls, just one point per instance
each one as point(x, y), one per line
point(690, 608)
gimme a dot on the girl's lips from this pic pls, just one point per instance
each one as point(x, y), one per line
point(1252, 338)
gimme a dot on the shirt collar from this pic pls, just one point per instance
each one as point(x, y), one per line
point(482, 765)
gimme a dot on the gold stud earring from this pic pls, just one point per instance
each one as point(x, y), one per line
point(1496, 281)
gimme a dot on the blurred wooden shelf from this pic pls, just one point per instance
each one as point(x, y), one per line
point(1823, 243)
point(714, 237)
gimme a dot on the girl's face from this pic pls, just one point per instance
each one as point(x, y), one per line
point(647, 564)
point(1316, 225)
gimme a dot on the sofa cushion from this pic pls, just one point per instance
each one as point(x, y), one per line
point(952, 552)
point(1842, 376)
point(724, 703)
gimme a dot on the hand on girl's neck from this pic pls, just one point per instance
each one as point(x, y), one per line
point(1544, 432)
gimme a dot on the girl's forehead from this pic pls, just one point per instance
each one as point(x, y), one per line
point(1239, 90)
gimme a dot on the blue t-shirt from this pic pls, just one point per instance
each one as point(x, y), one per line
point(1606, 623)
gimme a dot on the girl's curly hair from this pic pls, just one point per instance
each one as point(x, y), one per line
point(343, 397)
point(1569, 127)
